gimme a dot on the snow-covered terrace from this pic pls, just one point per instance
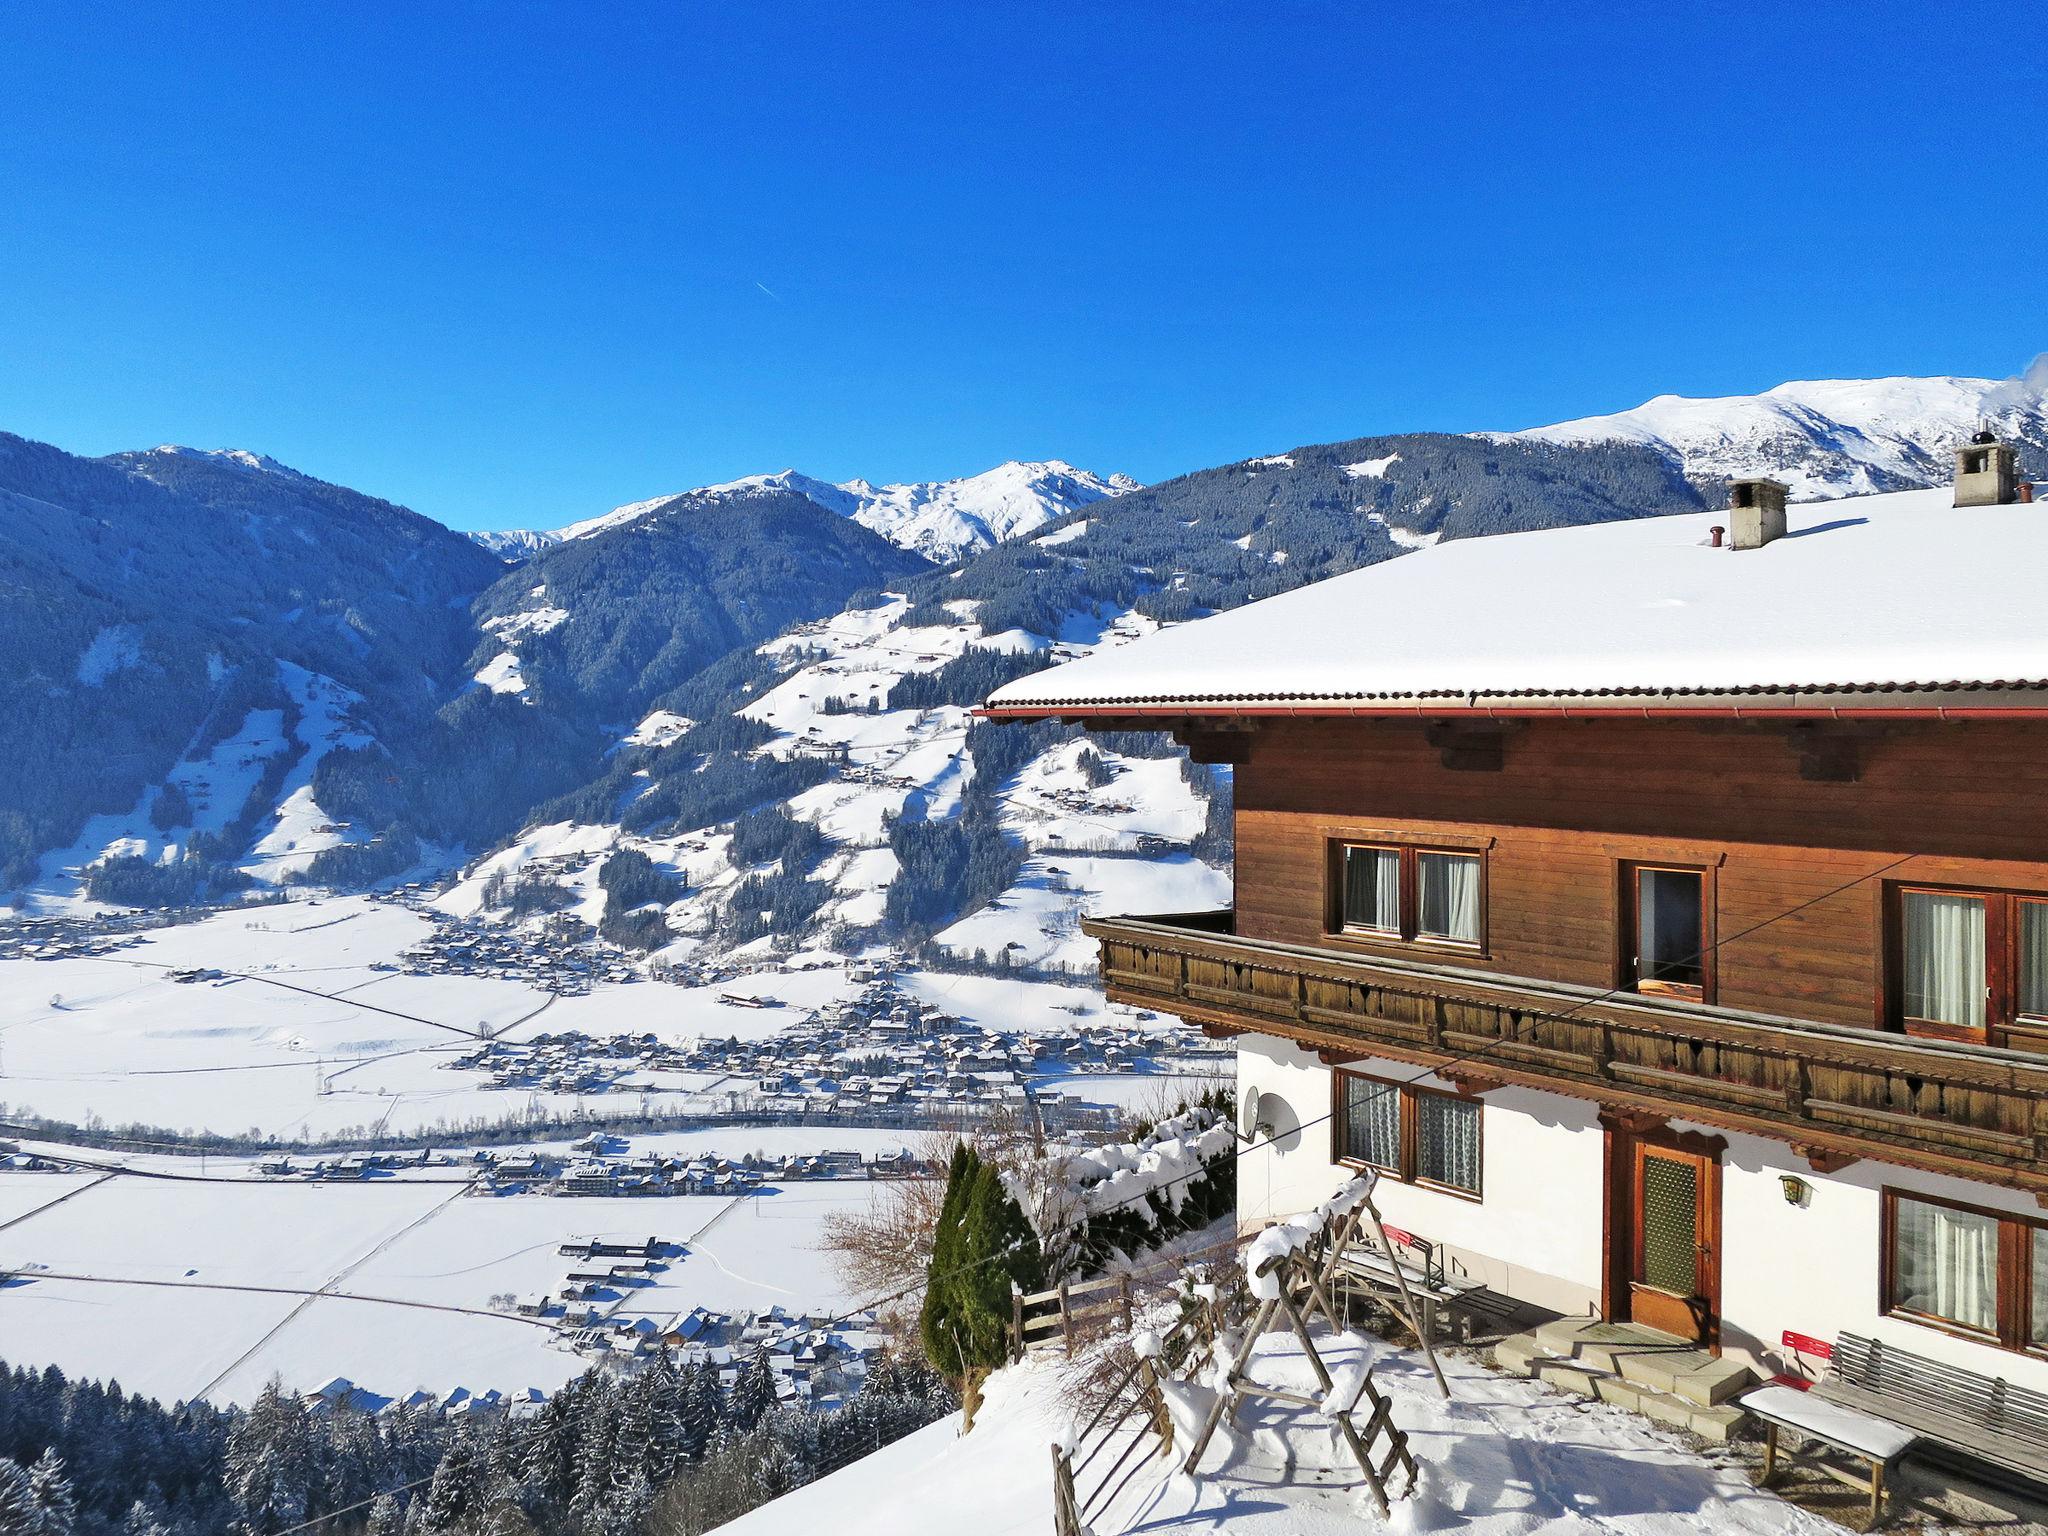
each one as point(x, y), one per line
point(1503, 1457)
point(1869, 604)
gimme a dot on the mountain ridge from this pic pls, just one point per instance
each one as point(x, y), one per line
point(1826, 437)
point(942, 520)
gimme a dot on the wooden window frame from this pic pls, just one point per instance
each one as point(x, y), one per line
point(1409, 1136)
point(2014, 1296)
point(1629, 967)
point(2002, 951)
point(1408, 935)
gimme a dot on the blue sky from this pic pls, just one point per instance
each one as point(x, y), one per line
point(513, 264)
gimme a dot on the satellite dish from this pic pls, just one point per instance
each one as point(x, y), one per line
point(1248, 1117)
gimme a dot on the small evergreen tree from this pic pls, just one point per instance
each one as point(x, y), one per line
point(982, 1247)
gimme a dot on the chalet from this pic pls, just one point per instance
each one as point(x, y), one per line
point(1660, 906)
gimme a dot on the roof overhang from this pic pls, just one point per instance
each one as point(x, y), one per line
point(1942, 703)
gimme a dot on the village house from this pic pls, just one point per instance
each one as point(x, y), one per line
point(1661, 907)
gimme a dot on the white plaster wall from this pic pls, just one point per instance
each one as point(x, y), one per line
point(1814, 1268)
point(1536, 1232)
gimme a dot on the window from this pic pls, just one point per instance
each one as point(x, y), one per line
point(2033, 960)
point(1371, 1128)
point(1447, 1141)
point(1372, 890)
point(2037, 1290)
point(1428, 895)
point(1944, 958)
point(1981, 1273)
point(1669, 950)
point(1447, 896)
point(1964, 961)
point(1417, 1135)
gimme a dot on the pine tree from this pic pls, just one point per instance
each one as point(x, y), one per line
point(753, 1393)
point(270, 1464)
point(50, 1491)
point(982, 1246)
point(386, 1517)
point(699, 1409)
point(456, 1485)
point(550, 1449)
point(667, 1410)
point(17, 1500)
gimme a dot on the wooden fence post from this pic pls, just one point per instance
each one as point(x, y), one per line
point(1066, 1520)
point(1066, 1321)
point(1123, 1296)
point(1016, 1322)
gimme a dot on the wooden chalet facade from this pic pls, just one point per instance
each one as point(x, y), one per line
point(1672, 953)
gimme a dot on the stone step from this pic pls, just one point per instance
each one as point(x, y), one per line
point(1656, 1361)
point(1683, 1389)
point(1519, 1355)
point(1716, 1422)
point(1700, 1378)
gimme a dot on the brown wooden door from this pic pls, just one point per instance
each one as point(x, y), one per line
point(1675, 1261)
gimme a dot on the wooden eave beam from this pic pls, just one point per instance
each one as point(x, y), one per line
point(1217, 741)
point(1471, 746)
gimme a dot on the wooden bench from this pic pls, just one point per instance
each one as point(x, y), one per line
point(1436, 1293)
point(1876, 1402)
point(1987, 1418)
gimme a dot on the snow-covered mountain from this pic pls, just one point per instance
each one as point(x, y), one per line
point(944, 519)
point(237, 458)
point(1827, 437)
point(939, 519)
point(515, 544)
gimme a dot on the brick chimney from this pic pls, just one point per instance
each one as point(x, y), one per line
point(1987, 473)
point(1756, 512)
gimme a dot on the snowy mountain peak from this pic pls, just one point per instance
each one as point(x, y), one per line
point(1826, 437)
point(940, 519)
point(240, 458)
point(945, 519)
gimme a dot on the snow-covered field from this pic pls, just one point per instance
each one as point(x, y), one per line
point(184, 1288)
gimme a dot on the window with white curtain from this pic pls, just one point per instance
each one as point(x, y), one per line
point(2033, 958)
point(1371, 1123)
point(1372, 889)
point(2037, 1289)
point(1409, 893)
point(1447, 1141)
point(1447, 896)
point(1943, 969)
point(1945, 1263)
point(1979, 1272)
point(1418, 1135)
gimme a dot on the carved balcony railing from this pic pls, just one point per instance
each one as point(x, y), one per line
point(1835, 1093)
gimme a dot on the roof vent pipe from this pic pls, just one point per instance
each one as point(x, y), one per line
point(1757, 510)
point(1714, 535)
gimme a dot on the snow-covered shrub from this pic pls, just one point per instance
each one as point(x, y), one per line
point(1088, 1204)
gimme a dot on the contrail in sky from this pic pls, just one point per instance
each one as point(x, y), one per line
point(767, 290)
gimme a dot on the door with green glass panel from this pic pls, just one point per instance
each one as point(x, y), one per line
point(1675, 1266)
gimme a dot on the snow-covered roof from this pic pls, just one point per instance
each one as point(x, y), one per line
point(1899, 601)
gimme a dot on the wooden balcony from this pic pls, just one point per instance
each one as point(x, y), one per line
point(1836, 1094)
